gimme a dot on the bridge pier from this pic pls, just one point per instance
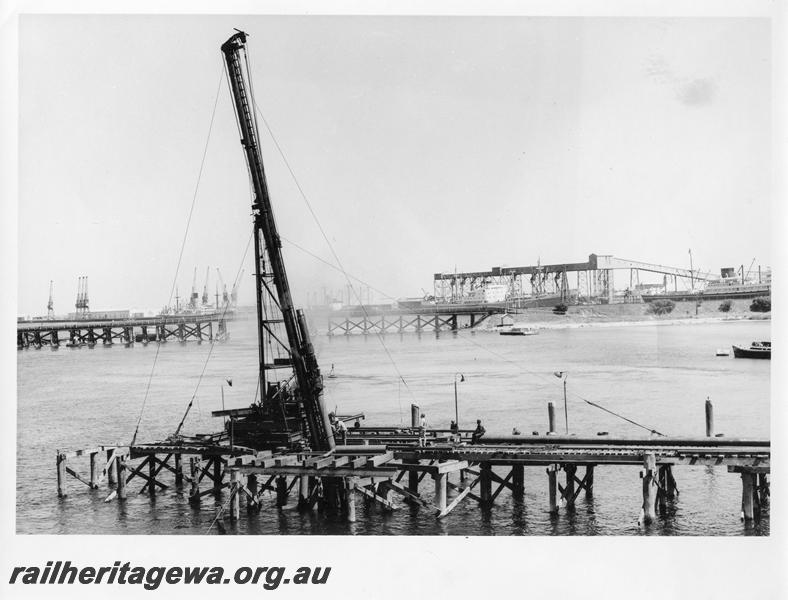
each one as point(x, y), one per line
point(648, 474)
point(518, 481)
point(552, 488)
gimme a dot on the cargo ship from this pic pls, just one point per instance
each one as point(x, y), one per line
point(724, 288)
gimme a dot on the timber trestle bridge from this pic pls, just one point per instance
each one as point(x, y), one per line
point(78, 333)
point(448, 317)
point(390, 465)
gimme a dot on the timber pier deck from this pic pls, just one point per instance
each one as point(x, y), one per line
point(447, 317)
point(380, 464)
point(90, 332)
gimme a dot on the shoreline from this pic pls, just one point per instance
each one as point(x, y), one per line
point(625, 323)
point(623, 315)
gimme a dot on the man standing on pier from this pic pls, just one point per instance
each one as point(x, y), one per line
point(478, 432)
point(339, 427)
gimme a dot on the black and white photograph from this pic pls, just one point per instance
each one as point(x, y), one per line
point(450, 289)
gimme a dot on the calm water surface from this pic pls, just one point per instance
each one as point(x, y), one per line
point(657, 375)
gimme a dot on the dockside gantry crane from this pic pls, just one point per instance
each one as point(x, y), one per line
point(234, 290)
point(225, 296)
point(193, 298)
point(205, 287)
point(289, 412)
point(83, 303)
point(51, 303)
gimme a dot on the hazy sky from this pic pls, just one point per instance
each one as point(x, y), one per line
point(422, 143)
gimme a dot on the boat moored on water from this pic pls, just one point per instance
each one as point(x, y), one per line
point(756, 350)
point(519, 330)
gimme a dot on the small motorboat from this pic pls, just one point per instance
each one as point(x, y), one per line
point(756, 350)
point(517, 330)
point(723, 352)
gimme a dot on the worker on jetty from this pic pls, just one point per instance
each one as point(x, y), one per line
point(423, 431)
point(338, 427)
point(478, 432)
point(455, 431)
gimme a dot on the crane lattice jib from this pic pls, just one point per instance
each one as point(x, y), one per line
point(304, 363)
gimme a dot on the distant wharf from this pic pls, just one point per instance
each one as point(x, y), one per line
point(75, 333)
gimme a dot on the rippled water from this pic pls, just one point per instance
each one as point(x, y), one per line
point(659, 376)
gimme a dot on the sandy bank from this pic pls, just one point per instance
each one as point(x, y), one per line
point(629, 315)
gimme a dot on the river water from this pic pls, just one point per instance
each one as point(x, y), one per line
point(658, 375)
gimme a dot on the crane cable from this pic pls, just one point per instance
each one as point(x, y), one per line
point(544, 378)
point(331, 247)
point(210, 352)
point(180, 254)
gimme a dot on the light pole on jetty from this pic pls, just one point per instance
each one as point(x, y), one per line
point(563, 375)
point(456, 409)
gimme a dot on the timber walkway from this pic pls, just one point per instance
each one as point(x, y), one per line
point(380, 464)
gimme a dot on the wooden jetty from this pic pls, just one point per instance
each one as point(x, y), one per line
point(387, 462)
point(107, 332)
point(450, 317)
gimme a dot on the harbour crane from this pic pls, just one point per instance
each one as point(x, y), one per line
point(194, 296)
point(205, 287)
point(291, 411)
point(51, 303)
point(234, 291)
point(744, 277)
point(225, 296)
point(82, 304)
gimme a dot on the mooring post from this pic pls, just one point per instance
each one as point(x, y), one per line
point(670, 483)
point(61, 475)
point(235, 497)
point(281, 491)
point(440, 491)
point(518, 481)
point(709, 419)
point(763, 488)
point(551, 418)
point(217, 474)
point(350, 499)
point(303, 492)
point(662, 488)
point(194, 472)
point(569, 489)
point(112, 469)
point(152, 475)
point(748, 495)
point(413, 480)
point(589, 481)
point(178, 470)
point(251, 485)
point(120, 461)
point(485, 483)
point(414, 415)
point(649, 487)
point(94, 470)
point(552, 488)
